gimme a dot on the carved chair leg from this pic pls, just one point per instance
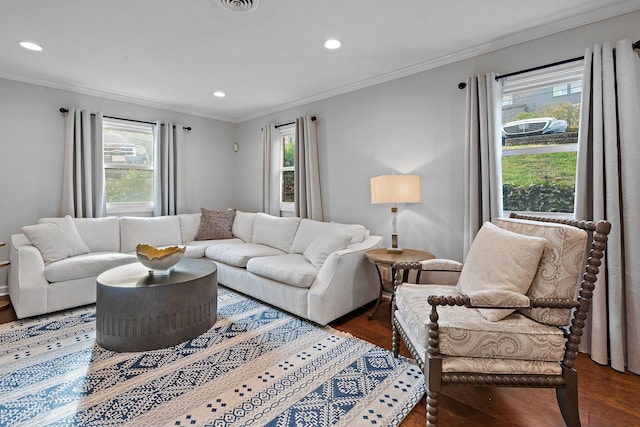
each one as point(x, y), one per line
point(432, 408)
point(567, 397)
point(395, 339)
point(433, 378)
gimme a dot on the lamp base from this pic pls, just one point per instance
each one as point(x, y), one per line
point(395, 250)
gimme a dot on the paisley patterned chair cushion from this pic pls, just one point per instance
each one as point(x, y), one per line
point(559, 271)
point(500, 366)
point(465, 332)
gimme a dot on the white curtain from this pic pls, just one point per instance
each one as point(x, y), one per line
point(608, 187)
point(83, 174)
point(270, 170)
point(308, 198)
point(169, 185)
point(483, 157)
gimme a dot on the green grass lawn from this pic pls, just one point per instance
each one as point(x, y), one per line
point(527, 169)
point(539, 182)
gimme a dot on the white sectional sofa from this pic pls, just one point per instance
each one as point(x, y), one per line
point(313, 269)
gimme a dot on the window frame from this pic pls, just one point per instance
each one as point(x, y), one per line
point(285, 131)
point(144, 208)
point(566, 76)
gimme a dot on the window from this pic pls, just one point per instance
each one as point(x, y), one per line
point(560, 90)
point(507, 100)
point(575, 87)
point(567, 89)
point(540, 114)
point(128, 159)
point(287, 168)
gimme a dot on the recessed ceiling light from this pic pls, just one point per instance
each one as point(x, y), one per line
point(219, 94)
point(30, 45)
point(332, 44)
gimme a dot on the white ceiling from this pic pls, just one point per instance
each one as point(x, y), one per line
point(174, 54)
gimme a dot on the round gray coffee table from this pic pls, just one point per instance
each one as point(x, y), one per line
point(138, 311)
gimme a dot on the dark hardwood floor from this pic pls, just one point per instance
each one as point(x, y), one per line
point(7, 314)
point(607, 398)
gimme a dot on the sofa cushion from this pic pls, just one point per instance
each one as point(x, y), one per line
point(292, 269)
point(99, 234)
point(56, 240)
point(309, 229)
point(194, 251)
point(189, 224)
point(215, 224)
point(560, 266)
point(196, 248)
point(357, 232)
point(515, 337)
point(238, 254)
point(87, 265)
point(274, 231)
point(243, 225)
point(154, 231)
point(501, 260)
point(324, 245)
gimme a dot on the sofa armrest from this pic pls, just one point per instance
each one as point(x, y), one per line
point(27, 281)
point(345, 282)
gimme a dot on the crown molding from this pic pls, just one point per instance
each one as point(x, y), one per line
point(113, 96)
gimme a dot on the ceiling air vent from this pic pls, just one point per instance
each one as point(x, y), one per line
point(239, 5)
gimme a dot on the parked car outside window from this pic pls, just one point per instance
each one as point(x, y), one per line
point(537, 126)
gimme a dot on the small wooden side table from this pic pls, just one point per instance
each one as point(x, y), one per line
point(4, 304)
point(381, 258)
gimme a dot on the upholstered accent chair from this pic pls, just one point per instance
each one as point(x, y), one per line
point(512, 315)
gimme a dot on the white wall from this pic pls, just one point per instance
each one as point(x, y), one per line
point(410, 125)
point(32, 145)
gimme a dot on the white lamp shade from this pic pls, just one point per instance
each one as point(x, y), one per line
point(395, 189)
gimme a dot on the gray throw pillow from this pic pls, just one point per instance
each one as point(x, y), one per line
point(215, 225)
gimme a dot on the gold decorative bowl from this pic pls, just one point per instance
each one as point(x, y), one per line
point(159, 260)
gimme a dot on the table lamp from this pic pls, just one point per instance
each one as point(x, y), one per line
point(395, 189)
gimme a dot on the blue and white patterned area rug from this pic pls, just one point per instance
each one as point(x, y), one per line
point(257, 366)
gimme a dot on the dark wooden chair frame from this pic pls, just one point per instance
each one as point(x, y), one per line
point(566, 385)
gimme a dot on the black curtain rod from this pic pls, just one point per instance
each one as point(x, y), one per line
point(64, 111)
point(540, 67)
point(313, 118)
point(636, 45)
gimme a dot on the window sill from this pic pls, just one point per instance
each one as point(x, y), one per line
point(560, 215)
point(130, 209)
